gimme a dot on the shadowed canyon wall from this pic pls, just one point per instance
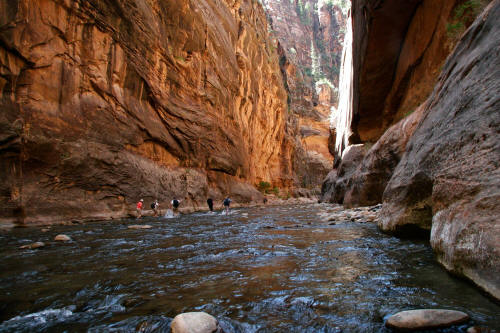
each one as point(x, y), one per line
point(418, 127)
point(105, 101)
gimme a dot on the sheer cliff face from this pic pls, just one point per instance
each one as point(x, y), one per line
point(310, 36)
point(104, 102)
point(400, 48)
point(436, 170)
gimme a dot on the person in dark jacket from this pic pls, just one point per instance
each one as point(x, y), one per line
point(175, 204)
point(226, 203)
point(210, 204)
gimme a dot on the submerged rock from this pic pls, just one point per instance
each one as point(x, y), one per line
point(480, 329)
point(140, 226)
point(195, 322)
point(425, 319)
point(62, 238)
point(32, 246)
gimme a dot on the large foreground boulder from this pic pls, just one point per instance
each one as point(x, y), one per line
point(448, 181)
point(425, 319)
point(195, 322)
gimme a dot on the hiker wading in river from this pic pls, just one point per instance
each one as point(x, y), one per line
point(175, 205)
point(139, 208)
point(226, 203)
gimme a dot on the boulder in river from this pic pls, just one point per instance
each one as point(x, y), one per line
point(195, 322)
point(425, 319)
point(32, 246)
point(62, 238)
point(139, 226)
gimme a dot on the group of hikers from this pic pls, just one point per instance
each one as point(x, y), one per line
point(155, 206)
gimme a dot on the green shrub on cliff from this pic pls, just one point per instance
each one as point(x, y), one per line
point(344, 5)
point(463, 16)
point(264, 187)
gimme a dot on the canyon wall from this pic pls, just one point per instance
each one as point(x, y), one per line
point(392, 58)
point(448, 180)
point(105, 101)
point(418, 127)
point(309, 35)
point(400, 48)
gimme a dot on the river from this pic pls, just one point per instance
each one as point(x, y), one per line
point(264, 269)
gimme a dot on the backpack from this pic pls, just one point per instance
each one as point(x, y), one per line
point(176, 203)
point(153, 205)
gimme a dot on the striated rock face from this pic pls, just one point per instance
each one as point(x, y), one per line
point(438, 166)
point(310, 35)
point(367, 184)
point(387, 83)
point(448, 181)
point(104, 102)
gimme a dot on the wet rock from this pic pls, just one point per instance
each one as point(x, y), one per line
point(448, 179)
point(139, 226)
point(195, 322)
point(32, 246)
point(425, 319)
point(62, 238)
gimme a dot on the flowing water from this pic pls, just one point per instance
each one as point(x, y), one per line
point(266, 269)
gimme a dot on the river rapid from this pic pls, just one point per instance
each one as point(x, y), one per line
point(261, 269)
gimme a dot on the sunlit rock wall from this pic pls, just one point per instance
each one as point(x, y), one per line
point(310, 35)
point(105, 102)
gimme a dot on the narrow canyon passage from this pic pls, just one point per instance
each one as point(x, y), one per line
point(296, 268)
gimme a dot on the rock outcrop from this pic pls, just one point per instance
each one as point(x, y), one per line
point(448, 181)
point(399, 48)
point(336, 183)
point(438, 166)
point(105, 102)
point(367, 183)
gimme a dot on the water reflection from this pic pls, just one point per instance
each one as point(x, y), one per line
point(269, 269)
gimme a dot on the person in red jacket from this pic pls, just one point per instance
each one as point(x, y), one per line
point(139, 208)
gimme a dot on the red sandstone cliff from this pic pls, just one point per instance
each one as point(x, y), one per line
point(310, 35)
point(105, 101)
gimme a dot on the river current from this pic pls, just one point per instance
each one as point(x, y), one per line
point(261, 269)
